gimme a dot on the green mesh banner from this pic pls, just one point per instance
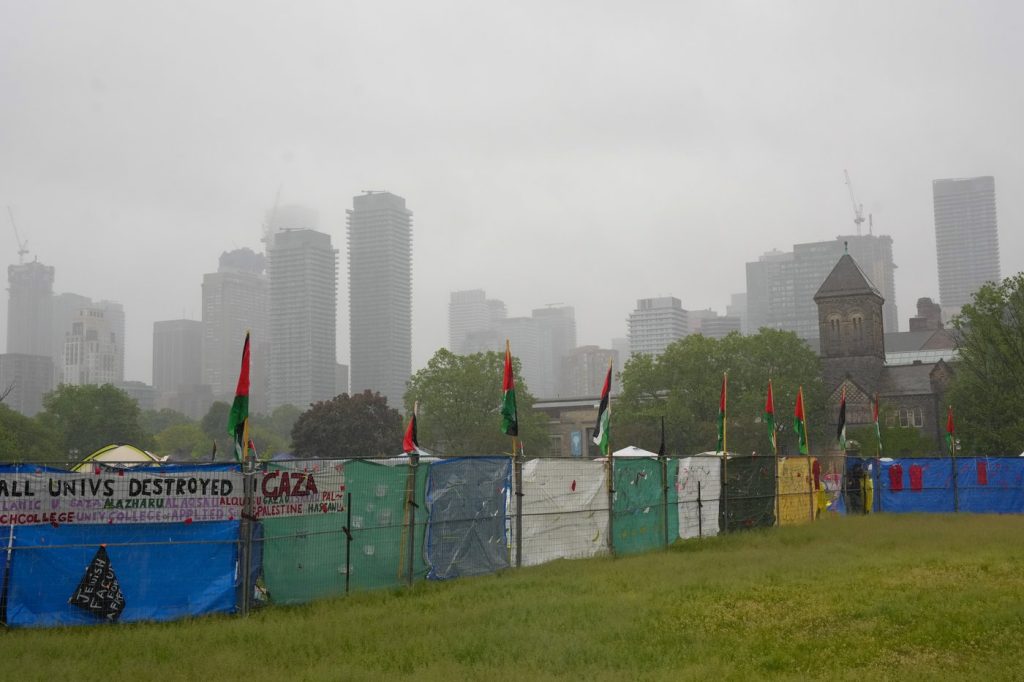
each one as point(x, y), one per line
point(638, 506)
point(749, 493)
point(304, 557)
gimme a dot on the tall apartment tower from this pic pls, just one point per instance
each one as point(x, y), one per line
point(302, 270)
point(93, 350)
point(966, 237)
point(655, 324)
point(556, 328)
point(29, 307)
point(66, 308)
point(235, 300)
point(177, 354)
point(470, 315)
point(380, 294)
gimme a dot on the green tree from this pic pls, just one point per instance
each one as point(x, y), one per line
point(897, 441)
point(348, 426)
point(215, 425)
point(459, 397)
point(186, 439)
point(155, 421)
point(90, 417)
point(987, 392)
point(683, 385)
point(275, 429)
point(23, 439)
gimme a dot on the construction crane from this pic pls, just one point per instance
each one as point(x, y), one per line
point(22, 246)
point(858, 209)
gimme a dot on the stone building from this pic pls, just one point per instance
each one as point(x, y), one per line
point(853, 356)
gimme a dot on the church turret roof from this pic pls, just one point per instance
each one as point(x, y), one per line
point(846, 279)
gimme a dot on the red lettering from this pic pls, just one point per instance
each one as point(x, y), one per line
point(266, 478)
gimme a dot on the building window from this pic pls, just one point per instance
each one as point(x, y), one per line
point(918, 417)
point(556, 446)
point(833, 328)
point(858, 327)
point(904, 417)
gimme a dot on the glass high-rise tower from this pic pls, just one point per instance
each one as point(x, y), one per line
point(380, 294)
point(966, 237)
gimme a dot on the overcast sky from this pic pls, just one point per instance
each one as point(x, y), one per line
point(582, 153)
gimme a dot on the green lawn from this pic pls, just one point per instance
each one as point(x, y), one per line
point(886, 596)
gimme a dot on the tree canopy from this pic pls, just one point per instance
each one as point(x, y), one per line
point(987, 391)
point(459, 397)
point(23, 439)
point(90, 417)
point(683, 385)
point(348, 426)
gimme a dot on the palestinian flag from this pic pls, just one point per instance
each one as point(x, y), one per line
point(769, 418)
point(509, 415)
point(238, 419)
point(604, 414)
point(841, 427)
point(721, 413)
point(409, 443)
point(874, 418)
point(950, 440)
point(800, 423)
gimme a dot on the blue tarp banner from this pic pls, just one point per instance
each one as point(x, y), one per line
point(915, 484)
point(187, 570)
point(991, 485)
point(467, 524)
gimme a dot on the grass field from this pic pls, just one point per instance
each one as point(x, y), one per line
point(879, 597)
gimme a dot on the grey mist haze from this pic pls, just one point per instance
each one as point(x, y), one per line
point(576, 152)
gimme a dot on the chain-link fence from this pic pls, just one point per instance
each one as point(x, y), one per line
point(131, 543)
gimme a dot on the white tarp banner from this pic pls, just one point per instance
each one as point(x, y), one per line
point(707, 471)
point(565, 510)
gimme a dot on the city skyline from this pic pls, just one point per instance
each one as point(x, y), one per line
point(594, 169)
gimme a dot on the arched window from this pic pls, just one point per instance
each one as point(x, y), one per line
point(833, 328)
point(857, 322)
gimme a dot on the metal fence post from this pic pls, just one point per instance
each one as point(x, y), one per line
point(245, 551)
point(411, 507)
point(664, 495)
point(611, 503)
point(700, 513)
point(956, 487)
point(517, 468)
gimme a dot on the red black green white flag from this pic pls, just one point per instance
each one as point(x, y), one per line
point(841, 425)
point(509, 414)
point(410, 444)
point(950, 439)
point(722, 404)
point(800, 423)
point(238, 418)
point(602, 429)
point(769, 418)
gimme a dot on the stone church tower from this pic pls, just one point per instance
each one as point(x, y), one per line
point(850, 326)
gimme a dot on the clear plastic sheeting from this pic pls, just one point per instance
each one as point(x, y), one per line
point(466, 504)
point(698, 487)
point(797, 504)
point(638, 506)
point(565, 510)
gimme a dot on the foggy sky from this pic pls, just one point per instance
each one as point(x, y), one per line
point(576, 152)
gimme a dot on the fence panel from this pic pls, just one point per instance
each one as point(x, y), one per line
point(565, 510)
point(698, 490)
point(915, 484)
point(749, 493)
point(989, 485)
point(796, 479)
point(466, 502)
point(638, 506)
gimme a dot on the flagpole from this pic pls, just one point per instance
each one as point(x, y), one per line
point(775, 452)
point(725, 452)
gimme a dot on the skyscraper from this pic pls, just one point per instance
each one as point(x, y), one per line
point(235, 300)
point(655, 324)
point(29, 306)
point(380, 294)
point(966, 237)
point(556, 330)
point(177, 354)
point(470, 315)
point(302, 269)
point(781, 286)
point(93, 354)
